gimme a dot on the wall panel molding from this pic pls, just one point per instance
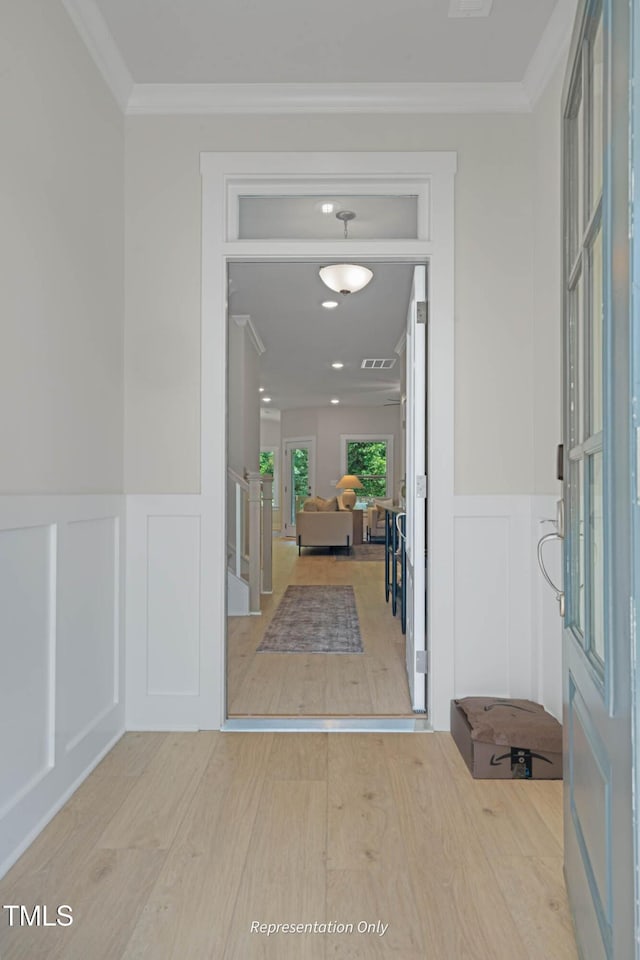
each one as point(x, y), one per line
point(61, 634)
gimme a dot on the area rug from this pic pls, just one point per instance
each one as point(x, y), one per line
point(314, 619)
point(364, 551)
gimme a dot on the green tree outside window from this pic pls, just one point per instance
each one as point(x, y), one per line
point(367, 459)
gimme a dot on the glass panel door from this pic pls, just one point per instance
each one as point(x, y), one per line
point(299, 479)
point(596, 663)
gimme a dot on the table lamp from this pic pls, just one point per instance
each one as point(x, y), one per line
point(348, 484)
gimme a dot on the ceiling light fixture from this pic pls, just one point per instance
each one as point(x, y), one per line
point(328, 208)
point(345, 277)
point(334, 400)
point(337, 365)
point(330, 304)
point(260, 389)
point(266, 399)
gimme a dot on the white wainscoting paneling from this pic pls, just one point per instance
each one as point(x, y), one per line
point(507, 634)
point(175, 644)
point(88, 608)
point(27, 626)
point(493, 556)
point(61, 639)
point(173, 607)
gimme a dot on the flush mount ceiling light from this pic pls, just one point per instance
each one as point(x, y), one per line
point(337, 365)
point(329, 304)
point(334, 400)
point(345, 277)
point(266, 399)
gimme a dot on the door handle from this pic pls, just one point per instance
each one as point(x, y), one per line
point(558, 592)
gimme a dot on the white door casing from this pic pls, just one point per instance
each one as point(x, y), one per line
point(416, 360)
point(224, 175)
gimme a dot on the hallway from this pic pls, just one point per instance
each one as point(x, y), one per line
point(177, 843)
point(372, 683)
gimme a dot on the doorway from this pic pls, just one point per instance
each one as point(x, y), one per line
point(298, 472)
point(328, 386)
point(227, 178)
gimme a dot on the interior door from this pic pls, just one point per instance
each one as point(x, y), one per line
point(299, 479)
point(416, 489)
point(596, 636)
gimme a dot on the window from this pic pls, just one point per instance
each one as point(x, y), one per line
point(371, 460)
point(269, 464)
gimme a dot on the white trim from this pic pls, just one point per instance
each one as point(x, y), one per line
point(245, 321)
point(552, 48)
point(93, 30)
point(338, 98)
point(221, 169)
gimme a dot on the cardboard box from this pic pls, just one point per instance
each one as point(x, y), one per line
point(491, 761)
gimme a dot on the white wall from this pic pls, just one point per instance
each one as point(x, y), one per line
point(62, 257)
point(61, 418)
point(327, 424)
point(494, 281)
point(243, 446)
point(547, 289)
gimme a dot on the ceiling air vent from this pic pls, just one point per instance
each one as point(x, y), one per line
point(377, 364)
point(470, 8)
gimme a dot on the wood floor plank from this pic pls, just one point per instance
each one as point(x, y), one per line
point(151, 814)
point(131, 755)
point(176, 855)
point(189, 912)
point(106, 890)
point(503, 811)
point(298, 756)
point(284, 878)
point(536, 897)
point(363, 823)
point(382, 901)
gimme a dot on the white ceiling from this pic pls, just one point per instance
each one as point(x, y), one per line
point(302, 339)
point(293, 41)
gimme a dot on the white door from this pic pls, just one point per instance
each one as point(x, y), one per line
point(597, 661)
point(416, 490)
point(298, 479)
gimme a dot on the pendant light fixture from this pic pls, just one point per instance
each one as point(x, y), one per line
point(345, 277)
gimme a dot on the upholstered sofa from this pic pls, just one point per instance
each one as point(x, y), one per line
point(324, 527)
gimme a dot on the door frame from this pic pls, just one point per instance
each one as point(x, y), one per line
point(309, 442)
point(434, 172)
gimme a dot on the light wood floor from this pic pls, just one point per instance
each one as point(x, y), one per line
point(178, 842)
point(373, 683)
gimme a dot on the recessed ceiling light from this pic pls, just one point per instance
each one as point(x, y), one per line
point(266, 399)
point(260, 389)
point(334, 400)
point(330, 304)
point(337, 365)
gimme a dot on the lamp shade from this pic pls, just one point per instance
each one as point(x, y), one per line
point(345, 277)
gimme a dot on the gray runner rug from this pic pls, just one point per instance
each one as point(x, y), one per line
point(314, 619)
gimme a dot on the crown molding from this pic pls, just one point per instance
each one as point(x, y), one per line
point(189, 99)
point(552, 48)
point(257, 98)
point(245, 323)
point(89, 23)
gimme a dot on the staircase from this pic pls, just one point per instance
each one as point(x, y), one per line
point(249, 549)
